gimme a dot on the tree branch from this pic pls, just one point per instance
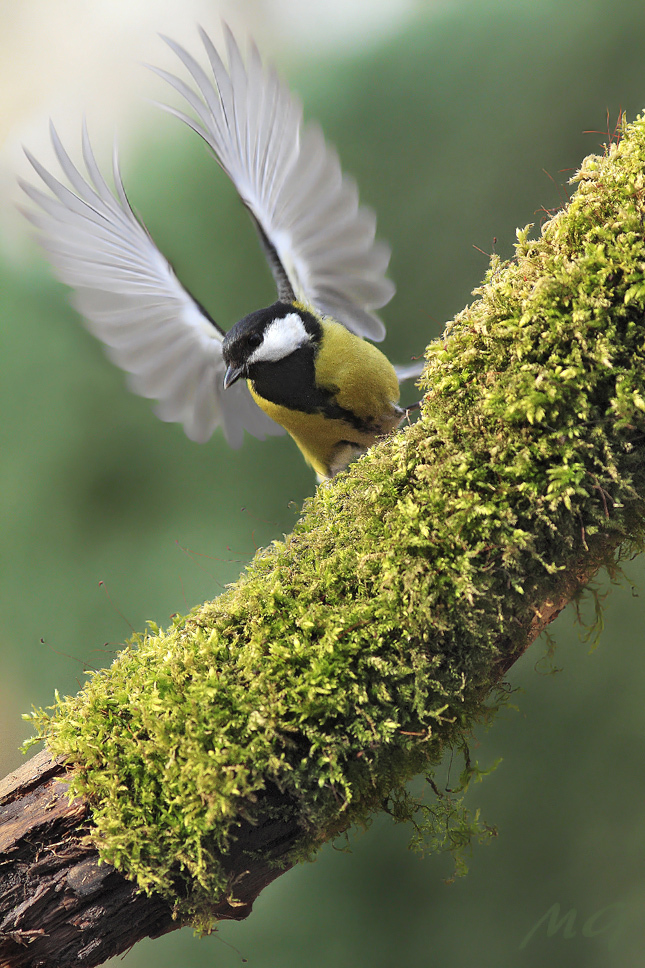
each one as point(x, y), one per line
point(59, 906)
point(211, 757)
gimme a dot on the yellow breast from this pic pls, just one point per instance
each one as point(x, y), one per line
point(362, 381)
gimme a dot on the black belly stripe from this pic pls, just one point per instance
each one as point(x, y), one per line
point(291, 383)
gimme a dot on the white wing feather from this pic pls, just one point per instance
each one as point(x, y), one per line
point(133, 302)
point(292, 183)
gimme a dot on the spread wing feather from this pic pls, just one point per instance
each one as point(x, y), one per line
point(320, 244)
point(133, 302)
point(292, 183)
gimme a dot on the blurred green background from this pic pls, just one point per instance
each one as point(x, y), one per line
point(459, 127)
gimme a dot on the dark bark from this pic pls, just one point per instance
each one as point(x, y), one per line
point(60, 907)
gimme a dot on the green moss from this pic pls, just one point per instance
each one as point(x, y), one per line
point(349, 655)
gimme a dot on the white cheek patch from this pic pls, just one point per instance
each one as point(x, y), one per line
point(281, 338)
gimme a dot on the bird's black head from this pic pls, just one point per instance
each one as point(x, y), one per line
point(265, 337)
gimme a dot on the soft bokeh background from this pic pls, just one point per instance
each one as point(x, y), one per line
point(461, 121)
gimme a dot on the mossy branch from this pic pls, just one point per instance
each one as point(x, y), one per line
point(349, 656)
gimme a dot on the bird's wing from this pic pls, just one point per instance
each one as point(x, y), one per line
point(409, 371)
point(311, 226)
point(133, 302)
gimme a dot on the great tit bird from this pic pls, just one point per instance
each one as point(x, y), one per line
point(302, 363)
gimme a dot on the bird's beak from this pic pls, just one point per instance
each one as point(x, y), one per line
point(232, 374)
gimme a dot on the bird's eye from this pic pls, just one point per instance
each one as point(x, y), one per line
point(254, 340)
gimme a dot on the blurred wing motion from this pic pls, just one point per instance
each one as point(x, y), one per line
point(134, 303)
point(319, 243)
point(409, 371)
